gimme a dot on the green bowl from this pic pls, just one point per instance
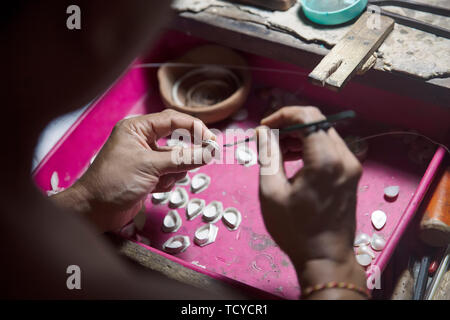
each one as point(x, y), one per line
point(326, 13)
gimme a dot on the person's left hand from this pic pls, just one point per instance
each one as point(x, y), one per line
point(131, 165)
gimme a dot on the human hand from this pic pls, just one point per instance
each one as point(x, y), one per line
point(311, 215)
point(131, 165)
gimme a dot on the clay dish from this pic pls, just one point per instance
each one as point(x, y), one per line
point(212, 91)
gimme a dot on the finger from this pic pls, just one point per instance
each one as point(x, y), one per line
point(179, 159)
point(272, 177)
point(352, 166)
point(162, 124)
point(166, 182)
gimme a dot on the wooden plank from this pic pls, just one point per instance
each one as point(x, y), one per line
point(352, 51)
point(259, 40)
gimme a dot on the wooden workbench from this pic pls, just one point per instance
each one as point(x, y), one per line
point(408, 58)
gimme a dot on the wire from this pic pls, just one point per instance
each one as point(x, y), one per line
point(402, 132)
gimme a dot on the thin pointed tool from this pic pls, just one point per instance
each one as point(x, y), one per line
point(298, 127)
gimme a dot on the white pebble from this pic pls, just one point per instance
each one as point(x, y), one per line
point(391, 192)
point(361, 239)
point(378, 219)
point(364, 259)
point(377, 242)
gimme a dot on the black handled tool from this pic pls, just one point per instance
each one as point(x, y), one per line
point(312, 125)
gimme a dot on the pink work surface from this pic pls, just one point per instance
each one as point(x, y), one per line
point(247, 255)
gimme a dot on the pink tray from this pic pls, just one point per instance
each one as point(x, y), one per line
point(247, 255)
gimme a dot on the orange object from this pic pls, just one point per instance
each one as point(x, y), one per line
point(435, 224)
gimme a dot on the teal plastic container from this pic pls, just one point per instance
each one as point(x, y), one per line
point(332, 12)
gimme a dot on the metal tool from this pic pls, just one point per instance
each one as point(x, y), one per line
point(422, 279)
point(411, 22)
point(323, 124)
point(439, 275)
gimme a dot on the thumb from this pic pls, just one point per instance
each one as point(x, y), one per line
point(272, 177)
point(178, 159)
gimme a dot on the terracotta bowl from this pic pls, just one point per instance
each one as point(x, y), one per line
point(211, 91)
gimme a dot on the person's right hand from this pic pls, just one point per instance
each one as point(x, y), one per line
point(311, 216)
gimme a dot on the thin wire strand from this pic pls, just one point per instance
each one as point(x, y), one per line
point(403, 132)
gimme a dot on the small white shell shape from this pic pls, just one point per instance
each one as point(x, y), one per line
point(245, 156)
point(194, 208)
point(171, 222)
point(211, 144)
point(231, 218)
point(178, 198)
point(364, 259)
point(200, 182)
point(213, 212)
point(54, 181)
point(391, 192)
point(184, 182)
point(377, 242)
point(176, 244)
point(160, 197)
point(206, 234)
point(378, 219)
point(361, 239)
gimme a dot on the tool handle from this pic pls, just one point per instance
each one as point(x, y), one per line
point(435, 224)
point(417, 24)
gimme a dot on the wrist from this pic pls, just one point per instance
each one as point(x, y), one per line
point(75, 199)
point(323, 270)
